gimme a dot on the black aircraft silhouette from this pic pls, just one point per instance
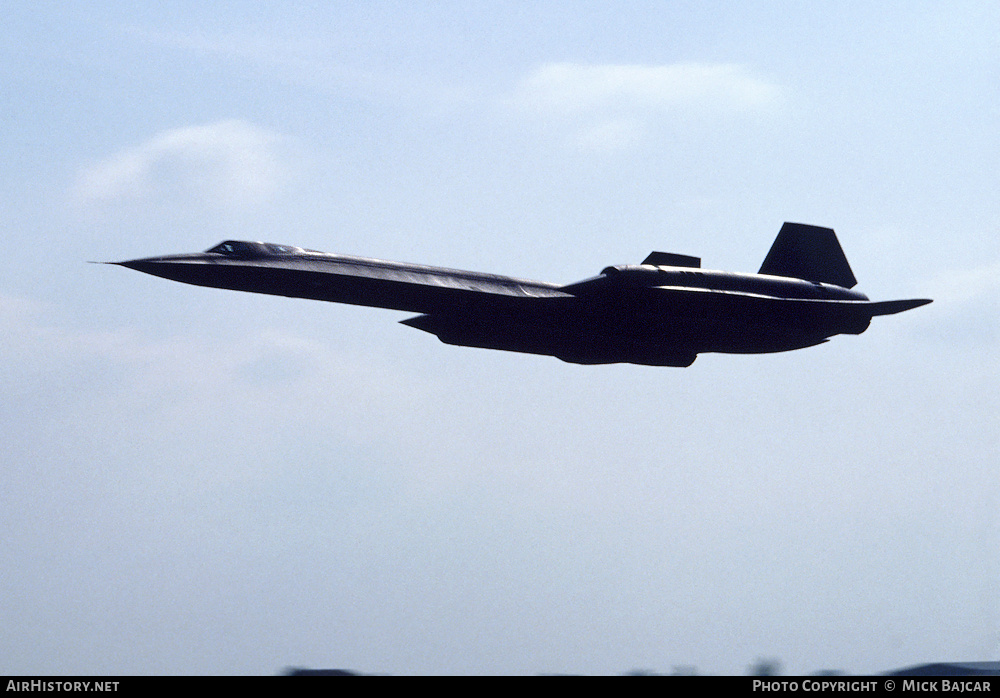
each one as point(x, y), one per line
point(663, 312)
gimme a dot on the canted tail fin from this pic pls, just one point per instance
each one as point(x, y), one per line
point(808, 252)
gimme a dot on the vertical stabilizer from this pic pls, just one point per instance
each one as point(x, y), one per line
point(808, 252)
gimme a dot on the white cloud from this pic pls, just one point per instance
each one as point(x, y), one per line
point(228, 163)
point(611, 106)
point(571, 87)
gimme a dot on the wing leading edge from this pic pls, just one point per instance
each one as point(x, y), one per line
point(297, 273)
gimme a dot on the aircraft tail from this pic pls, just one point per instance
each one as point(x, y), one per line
point(808, 252)
point(893, 307)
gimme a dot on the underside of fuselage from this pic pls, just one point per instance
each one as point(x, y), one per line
point(663, 330)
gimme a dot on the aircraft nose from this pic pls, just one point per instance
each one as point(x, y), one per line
point(176, 267)
point(138, 264)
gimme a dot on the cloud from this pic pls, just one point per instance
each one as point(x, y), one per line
point(571, 87)
point(614, 105)
point(228, 163)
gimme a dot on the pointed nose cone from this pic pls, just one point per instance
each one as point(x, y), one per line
point(144, 265)
point(158, 266)
point(178, 267)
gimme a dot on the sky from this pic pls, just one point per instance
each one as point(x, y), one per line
point(198, 481)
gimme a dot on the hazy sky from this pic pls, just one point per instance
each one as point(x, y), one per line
point(200, 481)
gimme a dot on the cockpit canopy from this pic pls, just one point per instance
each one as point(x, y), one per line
point(249, 250)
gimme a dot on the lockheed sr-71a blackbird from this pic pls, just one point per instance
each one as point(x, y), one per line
point(662, 312)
